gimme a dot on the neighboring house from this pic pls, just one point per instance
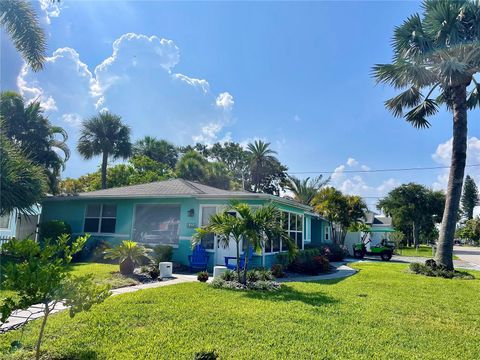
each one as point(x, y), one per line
point(19, 226)
point(378, 224)
point(168, 212)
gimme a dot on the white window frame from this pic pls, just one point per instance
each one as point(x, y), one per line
point(271, 252)
point(218, 209)
point(100, 217)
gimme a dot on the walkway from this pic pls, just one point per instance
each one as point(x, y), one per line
point(341, 271)
point(21, 317)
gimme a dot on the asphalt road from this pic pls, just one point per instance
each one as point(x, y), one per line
point(469, 254)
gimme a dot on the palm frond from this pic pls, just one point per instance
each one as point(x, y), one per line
point(410, 40)
point(473, 100)
point(417, 116)
point(21, 23)
point(409, 98)
point(403, 73)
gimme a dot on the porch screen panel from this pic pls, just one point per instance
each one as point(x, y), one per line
point(208, 240)
point(156, 224)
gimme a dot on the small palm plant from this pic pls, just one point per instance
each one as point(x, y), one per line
point(129, 254)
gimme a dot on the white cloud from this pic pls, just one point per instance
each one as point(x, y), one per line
point(338, 173)
point(443, 154)
point(50, 9)
point(225, 101)
point(137, 81)
point(352, 162)
point(297, 118)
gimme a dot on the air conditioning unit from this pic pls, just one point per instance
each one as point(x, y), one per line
point(165, 270)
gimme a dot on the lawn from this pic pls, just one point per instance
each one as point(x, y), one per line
point(423, 251)
point(102, 274)
point(383, 312)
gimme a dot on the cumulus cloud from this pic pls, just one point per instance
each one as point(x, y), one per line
point(137, 81)
point(352, 162)
point(443, 155)
point(50, 9)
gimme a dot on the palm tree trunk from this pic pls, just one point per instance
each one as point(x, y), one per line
point(237, 242)
point(416, 232)
point(455, 180)
point(104, 169)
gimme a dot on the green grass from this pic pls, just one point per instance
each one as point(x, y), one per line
point(383, 312)
point(102, 274)
point(423, 251)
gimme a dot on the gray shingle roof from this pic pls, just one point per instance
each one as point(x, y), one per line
point(173, 187)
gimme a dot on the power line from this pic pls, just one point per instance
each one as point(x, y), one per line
point(379, 170)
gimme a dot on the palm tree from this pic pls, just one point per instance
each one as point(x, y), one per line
point(192, 166)
point(158, 150)
point(21, 23)
point(305, 190)
point(438, 54)
point(106, 135)
point(28, 128)
point(261, 159)
point(129, 254)
point(22, 183)
point(254, 226)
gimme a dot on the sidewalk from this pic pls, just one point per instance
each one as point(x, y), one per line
point(341, 271)
point(21, 317)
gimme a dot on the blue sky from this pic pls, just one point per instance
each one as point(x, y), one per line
point(294, 74)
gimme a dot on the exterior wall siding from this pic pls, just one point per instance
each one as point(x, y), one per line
point(73, 212)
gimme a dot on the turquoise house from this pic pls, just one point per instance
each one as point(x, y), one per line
point(168, 212)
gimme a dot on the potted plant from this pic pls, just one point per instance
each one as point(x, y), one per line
point(129, 254)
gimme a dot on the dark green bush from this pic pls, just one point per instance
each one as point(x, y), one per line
point(162, 253)
point(333, 251)
point(53, 229)
point(278, 271)
point(229, 275)
point(430, 268)
point(93, 251)
point(202, 276)
point(259, 275)
point(154, 272)
point(310, 262)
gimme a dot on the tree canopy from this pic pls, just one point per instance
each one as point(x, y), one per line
point(470, 197)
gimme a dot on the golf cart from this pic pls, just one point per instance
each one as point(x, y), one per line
point(383, 249)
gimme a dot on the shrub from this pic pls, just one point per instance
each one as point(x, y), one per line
point(162, 253)
point(333, 251)
point(310, 262)
point(154, 272)
point(264, 286)
point(229, 275)
point(202, 276)
point(206, 355)
point(53, 229)
point(93, 251)
point(277, 271)
point(431, 268)
point(129, 254)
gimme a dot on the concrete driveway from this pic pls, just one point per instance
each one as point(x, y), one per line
point(469, 254)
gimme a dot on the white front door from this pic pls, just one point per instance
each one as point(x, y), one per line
point(221, 252)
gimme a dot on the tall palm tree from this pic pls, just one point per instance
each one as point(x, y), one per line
point(192, 166)
point(158, 150)
point(106, 135)
point(305, 190)
point(438, 53)
point(29, 129)
point(19, 20)
point(261, 159)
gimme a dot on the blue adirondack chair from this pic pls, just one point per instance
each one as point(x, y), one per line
point(199, 259)
point(241, 261)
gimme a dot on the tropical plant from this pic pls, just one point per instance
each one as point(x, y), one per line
point(413, 207)
point(22, 183)
point(129, 254)
point(40, 276)
point(438, 53)
point(341, 210)
point(192, 166)
point(106, 135)
point(470, 197)
point(470, 230)
point(159, 150)
point(252, 226)
point(28, 128)
point(305, 190)
point(236, 160)
point(19, 20)
point(261, 158)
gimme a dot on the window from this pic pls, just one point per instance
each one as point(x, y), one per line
point(5, 221)
point(326, 232)
point(293, 226)
point(208, 241)
point(156, 224)
point(100, 218)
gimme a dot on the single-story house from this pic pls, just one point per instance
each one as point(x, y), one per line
point(20, 226)
point(168, 212)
